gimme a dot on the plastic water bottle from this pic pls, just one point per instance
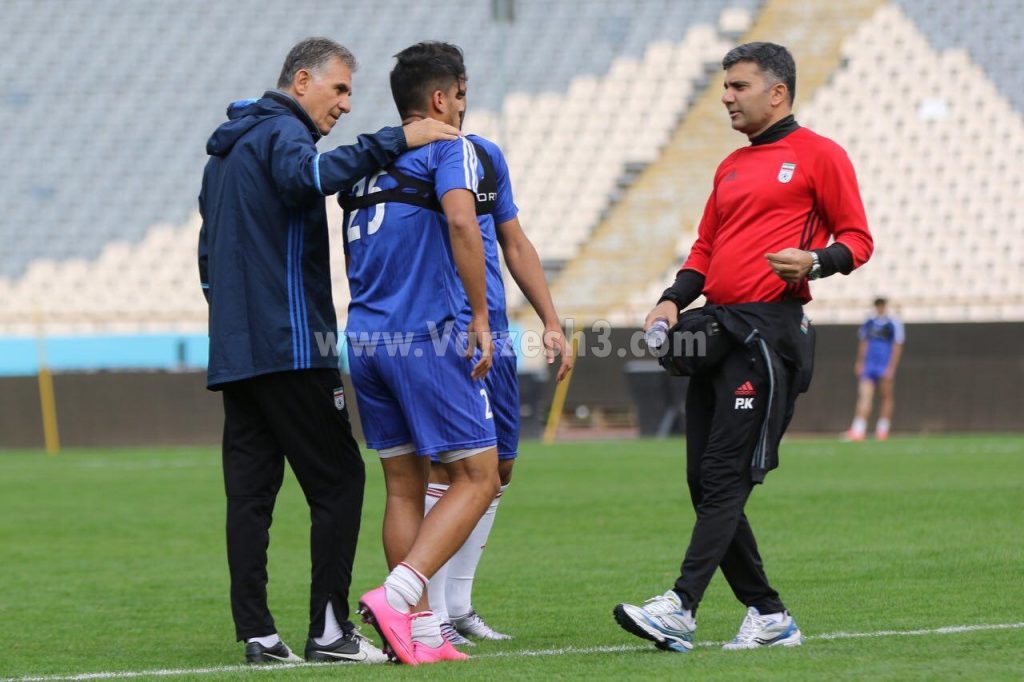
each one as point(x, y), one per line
point(657, 335)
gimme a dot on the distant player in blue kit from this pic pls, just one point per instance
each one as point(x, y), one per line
point(878, 356)
point(417, 277)
point(450, 589)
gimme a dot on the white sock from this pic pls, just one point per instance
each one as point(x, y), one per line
point(267, 642)
point(462, 566)
point(426, 629)
point(882, 426)
point(404, 587)
point(332, 629)
point(436, 586)
point(436, 593)
point(435, 491)
point(859, 425)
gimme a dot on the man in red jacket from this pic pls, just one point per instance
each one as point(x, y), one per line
point(765, 232)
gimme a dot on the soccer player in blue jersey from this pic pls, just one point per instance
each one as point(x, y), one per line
point(264, 268)
point(450, 589)
point(418, 353)
point(878, 356)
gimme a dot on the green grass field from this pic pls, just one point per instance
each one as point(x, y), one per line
point(114, 561)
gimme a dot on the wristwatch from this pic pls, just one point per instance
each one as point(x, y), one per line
point(815, 271)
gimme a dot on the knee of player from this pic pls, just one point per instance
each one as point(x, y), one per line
point(492, 484)
point(485, 483)
point(489, 483)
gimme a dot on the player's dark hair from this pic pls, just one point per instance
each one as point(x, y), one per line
point(772, 59)
point(312, 54)
point(421, 70)
point(881, 300)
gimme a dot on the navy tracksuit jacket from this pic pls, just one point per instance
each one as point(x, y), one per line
point(263, 248)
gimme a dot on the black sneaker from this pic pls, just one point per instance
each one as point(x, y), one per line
point(257, 654)
point(351, 647)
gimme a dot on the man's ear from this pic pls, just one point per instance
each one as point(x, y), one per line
point(437, 100)
point(301, 81)
point(780, 94)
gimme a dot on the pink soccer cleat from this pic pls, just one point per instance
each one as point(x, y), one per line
point(445, 652)
point(392, 625)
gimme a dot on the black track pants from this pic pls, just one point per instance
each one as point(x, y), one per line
point(724, 414)
point(299, 417)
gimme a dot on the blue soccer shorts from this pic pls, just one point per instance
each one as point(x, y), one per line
point(873, 372)
point(420, 392)
point(503, 386)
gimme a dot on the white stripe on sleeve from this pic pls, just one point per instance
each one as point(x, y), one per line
point(469, 165)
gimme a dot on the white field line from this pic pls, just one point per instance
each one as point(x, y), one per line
point(129, 674)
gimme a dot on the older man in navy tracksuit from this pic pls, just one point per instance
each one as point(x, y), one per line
point(265, 271)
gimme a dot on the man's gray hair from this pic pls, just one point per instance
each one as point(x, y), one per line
point(774, 60)
point(313, 54)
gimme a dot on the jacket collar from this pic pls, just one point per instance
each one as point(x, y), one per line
point(776, 131)
point(293, 106)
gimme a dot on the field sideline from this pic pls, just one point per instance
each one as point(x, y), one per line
point(114, 561)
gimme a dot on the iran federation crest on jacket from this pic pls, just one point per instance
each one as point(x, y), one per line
point(786, 172)
point(339, 398)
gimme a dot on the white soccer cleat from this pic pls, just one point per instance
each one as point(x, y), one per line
point(661, 619)
point(770, 629)
point(449, 632)
point(472, 625)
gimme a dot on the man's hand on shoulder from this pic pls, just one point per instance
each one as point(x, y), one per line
point(427, 130)
point(792, 265)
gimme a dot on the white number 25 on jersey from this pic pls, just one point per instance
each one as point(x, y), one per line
point(362, 188)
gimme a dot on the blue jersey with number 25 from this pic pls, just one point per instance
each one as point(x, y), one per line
point(401, 272)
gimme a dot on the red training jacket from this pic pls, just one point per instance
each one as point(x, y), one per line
point(794, 192)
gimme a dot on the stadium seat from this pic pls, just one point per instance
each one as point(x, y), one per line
point(591, 93)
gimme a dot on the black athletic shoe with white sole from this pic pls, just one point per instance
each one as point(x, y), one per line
point(257, 654)
point(351, 647)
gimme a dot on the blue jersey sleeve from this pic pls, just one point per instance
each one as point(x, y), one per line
point(899, 335)
point(456, 166)
point(862, 333)
point(505, 207)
